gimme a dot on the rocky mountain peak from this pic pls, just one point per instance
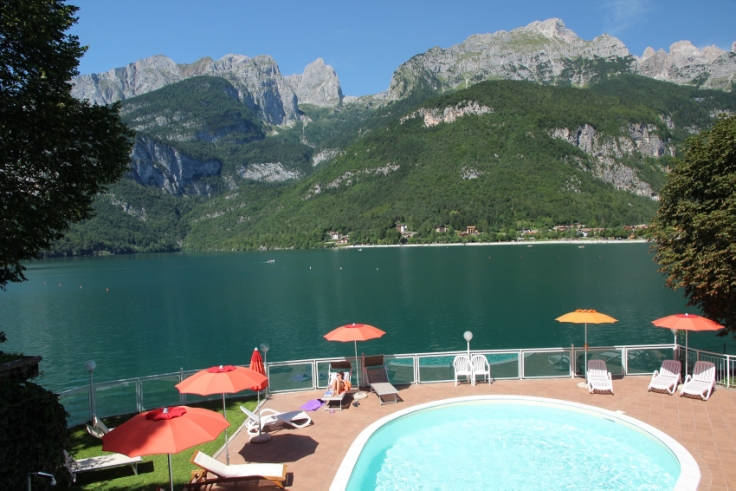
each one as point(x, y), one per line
point(684, 48)
point(317, 85)
point(552, 28)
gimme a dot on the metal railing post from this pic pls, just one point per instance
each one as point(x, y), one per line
point(625, 360)
point(182, 397)
point(139, 395)
point(521, 364)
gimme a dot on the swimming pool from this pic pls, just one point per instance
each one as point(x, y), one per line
point(513, 442)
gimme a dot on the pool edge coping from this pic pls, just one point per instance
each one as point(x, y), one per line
point(689, 478)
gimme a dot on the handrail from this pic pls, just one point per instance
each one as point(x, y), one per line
point(307, 377)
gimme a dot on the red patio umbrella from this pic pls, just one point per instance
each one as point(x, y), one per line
point(687, 322)
point(225, 379)
point(354, 332)
point(164, 431)
point(256, 364)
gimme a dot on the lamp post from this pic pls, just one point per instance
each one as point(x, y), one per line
point(264, 349)
point(52, 480)
point(468, 336)
point(90, 367)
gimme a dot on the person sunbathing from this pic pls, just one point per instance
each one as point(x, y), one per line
point(338, 385)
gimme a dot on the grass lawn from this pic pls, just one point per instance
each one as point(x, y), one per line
point(154, 470)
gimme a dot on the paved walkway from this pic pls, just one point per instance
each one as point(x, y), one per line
point(313, 454)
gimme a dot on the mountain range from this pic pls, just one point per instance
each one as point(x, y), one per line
point(229, 151)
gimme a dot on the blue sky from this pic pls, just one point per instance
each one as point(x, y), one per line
point(366, 41)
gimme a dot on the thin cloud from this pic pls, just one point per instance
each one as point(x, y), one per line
point(623, 14)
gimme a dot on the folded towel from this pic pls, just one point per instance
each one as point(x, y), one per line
point(312, 405)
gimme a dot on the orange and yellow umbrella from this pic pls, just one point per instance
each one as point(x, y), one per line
point(586, 316)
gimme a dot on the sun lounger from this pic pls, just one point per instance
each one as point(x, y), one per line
point(215, 472)
point(599, 378)
point(667, 378)
point(329, 396)
point(106, 461)
point(463, 368)
point(702, 382)
point(481, 367)
point(98, 428)
point(376, 375)
point(295, 419)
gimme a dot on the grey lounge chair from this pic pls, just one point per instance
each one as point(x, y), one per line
point(376, 375)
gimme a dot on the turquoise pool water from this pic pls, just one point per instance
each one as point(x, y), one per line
point(500, 445)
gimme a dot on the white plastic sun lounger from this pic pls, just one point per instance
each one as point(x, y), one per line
point(336, 366)
point(276, 473)
point(667, 378)
point(599, 378)
point(463, 368)
point(295, 419)
point(702, 382)
point(106, 461)
point(98, 428)
point(481, 367)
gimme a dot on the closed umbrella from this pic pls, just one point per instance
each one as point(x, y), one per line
point(225, 379)
point(164, 431)
point(354, 332)
point(687, 322)
point(586, 316)
point(256, 364)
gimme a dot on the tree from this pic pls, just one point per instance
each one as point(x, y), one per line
point(695, 227)
point(56, 152)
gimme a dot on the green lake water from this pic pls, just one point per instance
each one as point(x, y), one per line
point(147, 314)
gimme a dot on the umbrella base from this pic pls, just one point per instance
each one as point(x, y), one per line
point(583, 385)
point(262, 438)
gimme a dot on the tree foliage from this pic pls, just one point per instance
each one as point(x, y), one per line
point(56, 152)
point(695, 226)
point(33, 434)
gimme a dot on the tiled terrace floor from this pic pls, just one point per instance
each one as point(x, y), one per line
point(706, 429)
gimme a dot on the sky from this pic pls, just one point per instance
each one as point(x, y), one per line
point(366, 41)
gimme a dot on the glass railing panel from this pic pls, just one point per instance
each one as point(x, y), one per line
point(288, 377)
point(719, 361)
point(323, 371)
point(436, 368)
point(612, 357)
point(400, 370)
point(503, 365)
point(647, 360)
point(160, 391)
point(547, 364)
point(76, 403)
point(115, 398)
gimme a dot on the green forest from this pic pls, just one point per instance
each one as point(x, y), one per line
point(501, 171)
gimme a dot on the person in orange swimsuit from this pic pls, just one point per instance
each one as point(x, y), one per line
point(339, 385)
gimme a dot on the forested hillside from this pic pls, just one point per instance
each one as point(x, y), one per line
point(514, 155)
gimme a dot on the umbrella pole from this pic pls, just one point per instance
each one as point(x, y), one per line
point(171, 476)
point(356, 362)
point(259, 413)
point(586, 351)
point(224, 413)
point(686, 352)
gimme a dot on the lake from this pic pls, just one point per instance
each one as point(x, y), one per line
point(155, 313)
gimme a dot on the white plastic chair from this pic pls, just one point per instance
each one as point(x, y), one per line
point(667, 378)
point(481, 367)
point(599, 378)
point(702, 382)
point(463, 368)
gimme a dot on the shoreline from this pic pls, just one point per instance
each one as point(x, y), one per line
point(527, 243)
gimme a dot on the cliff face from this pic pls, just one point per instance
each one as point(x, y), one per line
point(607, 152)
point(258, 80)
point(157, 165)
